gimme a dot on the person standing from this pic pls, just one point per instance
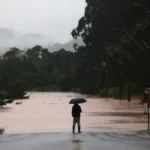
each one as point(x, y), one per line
point(76, 111)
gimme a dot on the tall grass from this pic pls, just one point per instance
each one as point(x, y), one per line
point(117, 92)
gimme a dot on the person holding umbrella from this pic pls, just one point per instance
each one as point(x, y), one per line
point(76, 111)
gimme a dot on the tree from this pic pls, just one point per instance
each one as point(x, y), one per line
point(16, 90)
point(5, 98)
point(50, 71)
point(115, 28)
point(12, 53)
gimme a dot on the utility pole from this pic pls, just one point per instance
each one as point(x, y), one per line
point(146, 101)
point(129, 95)
point(148, 115)
point(120, 80)
point(106, 77)
point(105, 65)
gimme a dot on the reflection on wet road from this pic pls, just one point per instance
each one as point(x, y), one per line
point(76, 143)
point(67, 141)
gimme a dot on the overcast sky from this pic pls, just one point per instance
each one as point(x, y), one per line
point(50, 19)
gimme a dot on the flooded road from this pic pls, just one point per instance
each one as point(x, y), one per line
point(50, 112)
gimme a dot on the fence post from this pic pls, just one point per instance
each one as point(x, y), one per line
point(129, 95)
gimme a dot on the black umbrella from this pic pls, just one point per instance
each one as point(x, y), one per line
point(77, 101)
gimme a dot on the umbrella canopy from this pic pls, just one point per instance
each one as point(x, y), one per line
point(77, 101)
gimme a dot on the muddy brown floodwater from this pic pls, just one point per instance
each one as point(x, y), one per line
point(50, 112)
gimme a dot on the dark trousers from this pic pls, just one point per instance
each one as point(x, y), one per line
point(76, 120)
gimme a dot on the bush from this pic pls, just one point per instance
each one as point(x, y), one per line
point(49, 88)
point(113, 93)
point(2, 131)
point(4, 95)
point(16, 90)
point(4, 98)
point(76, 90)
point(101, 93)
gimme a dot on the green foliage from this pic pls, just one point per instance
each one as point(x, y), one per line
point(16, 90)
point(114, 92)
point(2, 103)
point(4, 95)
point(5, 98)
point(114, 29)
point(37, 69)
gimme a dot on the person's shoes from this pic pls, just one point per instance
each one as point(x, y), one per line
point(79, 130)
point(73, 130)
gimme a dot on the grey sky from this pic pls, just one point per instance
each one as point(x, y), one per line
point(52, 19)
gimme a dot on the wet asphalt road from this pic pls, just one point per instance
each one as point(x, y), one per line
point(68, 141)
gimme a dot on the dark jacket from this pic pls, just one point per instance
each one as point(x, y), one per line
point(76, 110)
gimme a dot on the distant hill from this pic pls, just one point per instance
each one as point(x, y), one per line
point(67, 46)
point(10, 38)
